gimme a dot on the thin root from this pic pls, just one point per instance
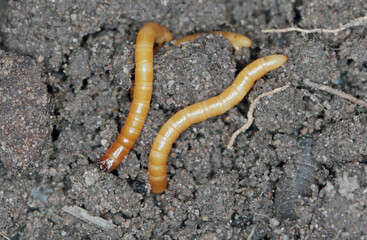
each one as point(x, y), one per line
point(335, 92)
point(250, 117)
point(354, 23)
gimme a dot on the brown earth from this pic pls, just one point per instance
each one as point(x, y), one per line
point(66, 68)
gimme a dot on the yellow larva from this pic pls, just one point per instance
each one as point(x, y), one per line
point(201, 111)
point(142, 94)
point(238, 41)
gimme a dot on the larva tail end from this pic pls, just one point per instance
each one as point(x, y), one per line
point(272, 62)
point(158, 184)
point(241, 42)
point(107, 163)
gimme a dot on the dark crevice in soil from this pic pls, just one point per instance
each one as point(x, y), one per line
point(331, 171)
point(85, 84)
point(267, 16)
point(119, 121)
point(211, 174)
point(297, 14)
point(115, 172)
point(55, 134)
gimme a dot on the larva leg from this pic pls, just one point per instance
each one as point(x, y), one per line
point(238, 41)
point(149, 33)
point(201, 111)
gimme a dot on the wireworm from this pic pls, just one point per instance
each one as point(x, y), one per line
point(149, 33)
point(238, 41)
point(201, 111)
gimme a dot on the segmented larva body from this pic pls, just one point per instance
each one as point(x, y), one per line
point(296, 185)
point(201, 111)
point(149, 33)
point(238, 41)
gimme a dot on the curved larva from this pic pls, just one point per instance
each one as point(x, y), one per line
point(238, 41)
point(201, 111)
point(142, 94)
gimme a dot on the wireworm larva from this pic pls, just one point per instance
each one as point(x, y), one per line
point(199, 112)
point(238, 41)
point(149, 33)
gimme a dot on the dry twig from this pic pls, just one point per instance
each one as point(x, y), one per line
point(335, 92)
point(354, 23)
point(250, 117)
point(85, 216)
point(5, 237)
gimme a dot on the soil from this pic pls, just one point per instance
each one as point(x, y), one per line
point(67, 68)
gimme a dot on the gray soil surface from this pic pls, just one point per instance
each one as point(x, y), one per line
point(66, 70)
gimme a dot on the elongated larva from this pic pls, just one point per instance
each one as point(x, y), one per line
point(238, 41)
point(201, 111)
point(142, 94)
point(296, 185)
